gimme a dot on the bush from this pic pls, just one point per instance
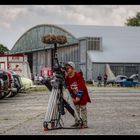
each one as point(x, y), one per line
point(89, 82)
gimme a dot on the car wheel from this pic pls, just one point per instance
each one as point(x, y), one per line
point(3, 95)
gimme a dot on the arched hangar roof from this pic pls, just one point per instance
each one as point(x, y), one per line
point(31, 39)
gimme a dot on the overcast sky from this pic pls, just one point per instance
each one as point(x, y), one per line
point(17, 19)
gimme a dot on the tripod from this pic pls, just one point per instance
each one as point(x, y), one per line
point(56, 103)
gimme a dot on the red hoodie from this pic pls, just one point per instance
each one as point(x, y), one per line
point(76, 84)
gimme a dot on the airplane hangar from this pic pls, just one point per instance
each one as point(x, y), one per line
point(90, 47)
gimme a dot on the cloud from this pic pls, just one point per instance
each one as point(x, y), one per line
point(5, 24)
point(68, 14)
point(10, 14)
point(17, 19)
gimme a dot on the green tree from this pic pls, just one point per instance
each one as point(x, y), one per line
point(133, 21)
point(3, 49)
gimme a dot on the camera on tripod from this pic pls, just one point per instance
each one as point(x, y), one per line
point(57, 67)
point(57, 104)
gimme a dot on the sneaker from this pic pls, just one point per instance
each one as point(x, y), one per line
point(75, 125)
point(81, 126)
point(84, 126)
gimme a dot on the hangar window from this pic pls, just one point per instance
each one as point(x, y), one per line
point(129, 70)
point(94, 43)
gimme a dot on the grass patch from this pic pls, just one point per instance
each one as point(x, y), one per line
point(36, 89)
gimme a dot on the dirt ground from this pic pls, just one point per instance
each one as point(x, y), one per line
point(113, 111)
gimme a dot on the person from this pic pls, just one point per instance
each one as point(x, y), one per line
point(105, 79)
point(36, 79)
point(99, 78)
point(17, 69)
point(79, 93)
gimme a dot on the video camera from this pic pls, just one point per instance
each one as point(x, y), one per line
point(57, 67)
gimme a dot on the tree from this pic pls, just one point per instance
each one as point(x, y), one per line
point(3, 49)
point(134, 21)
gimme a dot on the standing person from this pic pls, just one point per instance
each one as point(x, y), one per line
point(79, 93)
point(105, 79)
point(36, 79)
point(99, 78)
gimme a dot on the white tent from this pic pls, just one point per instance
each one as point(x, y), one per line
point(109, 72)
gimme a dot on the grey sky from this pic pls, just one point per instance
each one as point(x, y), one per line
point(17, 19)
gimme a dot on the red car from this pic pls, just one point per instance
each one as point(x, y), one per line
point(11, 87)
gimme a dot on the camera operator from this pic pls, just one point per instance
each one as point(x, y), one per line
point(79, 93)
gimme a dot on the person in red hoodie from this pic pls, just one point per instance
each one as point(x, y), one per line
point(79, 93)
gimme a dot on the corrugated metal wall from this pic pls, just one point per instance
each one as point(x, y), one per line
point(43, 58)
point(97, 69)
point(83, 57)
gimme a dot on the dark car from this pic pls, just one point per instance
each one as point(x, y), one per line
point(129, 83)
point(12, 88)
point(132, 81)
point(4, 84)
point(16, 82)
point(125, 81)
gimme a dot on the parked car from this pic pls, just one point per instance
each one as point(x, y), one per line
point(118, 79)
point(27, 83)
point(11, 84)
point(18, 82)
point(125, 81)
point(129, 83)
point(17, 85)
point(4, 84)
point(132, 81)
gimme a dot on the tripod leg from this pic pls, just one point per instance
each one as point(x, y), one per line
point(72, 111)
point(60, 107)
point(68, 107)
point(45, 125)
point(51, 112)
point(47, 83)
point(51, 105)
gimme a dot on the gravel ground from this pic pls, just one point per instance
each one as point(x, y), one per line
point(113, 111)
